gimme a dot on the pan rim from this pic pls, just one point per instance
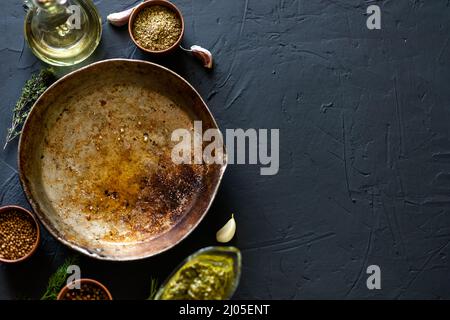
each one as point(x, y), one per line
point(36, 207)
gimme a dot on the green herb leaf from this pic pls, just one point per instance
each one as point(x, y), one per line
point(153, 289)
point(58, 279)
point(31, 91)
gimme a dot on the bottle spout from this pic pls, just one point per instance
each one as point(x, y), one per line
point(47, 5)
point(28, 5)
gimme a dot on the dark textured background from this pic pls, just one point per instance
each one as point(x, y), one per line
point(364, 119)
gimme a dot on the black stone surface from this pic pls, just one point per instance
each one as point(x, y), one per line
point(364, 119)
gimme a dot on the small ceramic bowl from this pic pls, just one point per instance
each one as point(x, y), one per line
point(38, 236)
point(147, 4)
point(66, 288)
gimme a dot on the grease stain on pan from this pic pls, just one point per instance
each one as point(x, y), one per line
point(106, 164)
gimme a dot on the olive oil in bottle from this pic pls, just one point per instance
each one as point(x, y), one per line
point(62, 32)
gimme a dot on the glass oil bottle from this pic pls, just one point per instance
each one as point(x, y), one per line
point(62, 32)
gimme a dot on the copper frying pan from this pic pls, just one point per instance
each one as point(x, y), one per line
point(94, 160)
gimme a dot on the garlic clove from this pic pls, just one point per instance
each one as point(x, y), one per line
point(226, 233)
point(204, 55)
point(119, 19)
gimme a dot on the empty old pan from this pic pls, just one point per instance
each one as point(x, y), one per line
point(95, 160)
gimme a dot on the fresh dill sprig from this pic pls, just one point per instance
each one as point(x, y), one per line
point(153, 289)
point(58, 279)
point(32, 90)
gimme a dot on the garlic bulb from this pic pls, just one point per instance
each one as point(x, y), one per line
point(226, 233)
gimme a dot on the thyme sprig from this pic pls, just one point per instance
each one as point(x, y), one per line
point(32, 90)
point(58, 279)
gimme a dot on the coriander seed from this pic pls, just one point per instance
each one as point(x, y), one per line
point(18, 234)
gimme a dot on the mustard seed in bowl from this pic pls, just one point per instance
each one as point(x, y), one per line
point(18, 234)
point(157, 28)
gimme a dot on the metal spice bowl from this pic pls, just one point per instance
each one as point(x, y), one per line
point(147, 4)
point(95, 160)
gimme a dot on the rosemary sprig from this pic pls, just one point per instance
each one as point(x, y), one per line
point(32, 90)
point(153, 289)
point(58, 279)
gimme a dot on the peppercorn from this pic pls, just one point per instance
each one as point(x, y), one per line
point(18, 235)
point(87, 291)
